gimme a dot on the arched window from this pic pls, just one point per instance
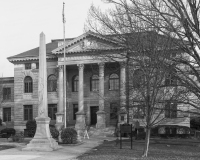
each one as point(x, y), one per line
point(75, 84)
point(52, 83)
point(113, 82)
point(28, 84)
point(94, 83)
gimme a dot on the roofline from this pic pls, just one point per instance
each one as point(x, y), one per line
point(4, 80)
point(91, 50)
point(55, 40)
point(22, 59)
point(7, 78)
point(81, 37)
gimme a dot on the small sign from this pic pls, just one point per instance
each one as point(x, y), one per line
point(126, 129)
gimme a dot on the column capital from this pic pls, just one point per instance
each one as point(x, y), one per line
point(60, 68)
point(80, 66)
point(122, 64)
point(101, 64)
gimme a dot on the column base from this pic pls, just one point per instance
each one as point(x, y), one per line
point(101, 120)
point(80, 125)
point(59, 124)
point(59, 127)
point(42, 141)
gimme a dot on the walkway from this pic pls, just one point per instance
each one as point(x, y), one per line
point(65, 153)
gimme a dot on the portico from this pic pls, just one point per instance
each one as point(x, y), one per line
point(80, 64)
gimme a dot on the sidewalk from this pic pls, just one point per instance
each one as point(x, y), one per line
point(65, 153)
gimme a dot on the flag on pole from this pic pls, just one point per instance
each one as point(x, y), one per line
point(63, 13)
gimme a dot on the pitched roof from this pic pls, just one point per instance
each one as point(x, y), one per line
point(84, 36)
point(136, 41)
point(34, 53)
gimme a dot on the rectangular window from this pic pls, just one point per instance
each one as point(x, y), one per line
point(75, 109)
point(113, 110)
point(75, 86)
point(52, 110)
point(6, 93)
point(170, 110)
point(95, 85)
point(27, 66)
point(6, 114)
point(114, 84)
point(37, 65)
point(28, 112)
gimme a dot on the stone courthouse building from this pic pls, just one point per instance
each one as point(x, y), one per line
point(94, 88)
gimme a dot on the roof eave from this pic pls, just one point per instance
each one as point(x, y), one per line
point(22, 59)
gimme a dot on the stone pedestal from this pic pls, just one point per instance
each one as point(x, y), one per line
point(101, 120)
point(59, 120)
point(42, 140)
point(80, 124)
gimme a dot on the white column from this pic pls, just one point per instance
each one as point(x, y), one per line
point(101, 113)
point(60, 107)
point(60, 89)
point(123, 111)
point(80, 89)
point(80, 115)
point(122, 84)
point(101, 86)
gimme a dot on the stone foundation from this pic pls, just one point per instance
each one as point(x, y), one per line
point(80, 124)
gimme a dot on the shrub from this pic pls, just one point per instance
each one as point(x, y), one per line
point(54, 132)
point(30, 124)
point(31, 127)
point(69, 135)
point(8, 131)
point(18, 137)
point(15, 138)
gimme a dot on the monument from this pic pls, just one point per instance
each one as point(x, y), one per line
point(42, 141)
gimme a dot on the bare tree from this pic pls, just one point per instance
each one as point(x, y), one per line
point(145, 50)
point(175, 19)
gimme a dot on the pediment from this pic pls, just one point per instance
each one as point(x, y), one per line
point(87, 42)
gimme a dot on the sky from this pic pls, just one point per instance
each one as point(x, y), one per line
point(22, 21)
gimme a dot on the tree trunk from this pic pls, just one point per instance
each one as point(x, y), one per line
point(146, 147)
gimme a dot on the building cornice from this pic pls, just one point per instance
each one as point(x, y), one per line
point(24, 59)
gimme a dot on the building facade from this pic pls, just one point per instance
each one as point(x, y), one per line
point(95, 84)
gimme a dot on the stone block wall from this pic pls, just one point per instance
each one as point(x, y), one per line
point(91, 98)
point(7, 82)
point(22, 98)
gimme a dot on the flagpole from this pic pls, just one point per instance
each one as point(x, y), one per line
point(64, 89)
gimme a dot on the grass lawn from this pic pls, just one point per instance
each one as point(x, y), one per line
point(160, 149)
point(3, 147)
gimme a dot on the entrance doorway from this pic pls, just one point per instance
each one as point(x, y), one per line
point(93, 114)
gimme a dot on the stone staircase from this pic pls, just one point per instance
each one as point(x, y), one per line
point(106, 132)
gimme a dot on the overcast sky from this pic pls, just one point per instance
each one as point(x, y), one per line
point(21, 22)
